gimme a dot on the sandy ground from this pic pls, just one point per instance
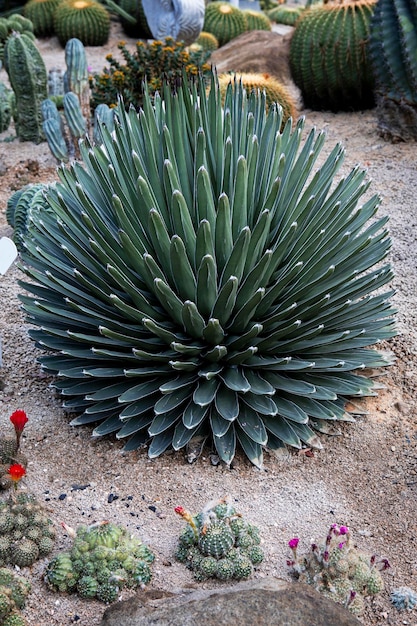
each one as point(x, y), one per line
point(365, 476)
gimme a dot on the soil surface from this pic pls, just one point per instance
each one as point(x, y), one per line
point(365, 476)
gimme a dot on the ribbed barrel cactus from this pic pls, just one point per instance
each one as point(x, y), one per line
point(195, 276)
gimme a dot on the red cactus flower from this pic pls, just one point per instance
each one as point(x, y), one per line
point(18, 419)
point(16, 472)
point(180, 510)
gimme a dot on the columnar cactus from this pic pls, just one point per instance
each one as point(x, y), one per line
point(86, 20)
point(28, 78)
point(6, 106)
point(103, 560)
point(224, 21)
point(218, 543)
point(207, 280)
point(328, 56)
point(338, 570)
point(392, 46)
point(41, 14)
point(26, 533)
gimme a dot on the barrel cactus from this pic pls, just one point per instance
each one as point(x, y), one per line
point(103, 560)
point(224, 21)
point(284, 14)
point(193, 276)
point(86, 20)
point(219, 543)
point(273, 89)
point(41, 14)
point(392, 48)
point(328, 56)
point(206, 41)
point(255, 20)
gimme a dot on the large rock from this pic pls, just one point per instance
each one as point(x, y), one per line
point(260, 51)
point(267, 602)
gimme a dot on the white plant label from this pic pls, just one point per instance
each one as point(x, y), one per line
point(8, 253)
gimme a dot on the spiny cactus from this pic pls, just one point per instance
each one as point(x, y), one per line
point(26, 533)
point(15, 23)
point(41, 14)
point(28, 78)
point(273, 89)
point(103, 560)
point(392, 48)
point(338, 570)
point(403, 598)
point(86, 20)
point(206, 41)
point(328, 56)
point(218, 543)
point(255, 20)
point(224, 21)
point(285, 15)
point(13, 592)
point(207, 280)
point(6, 107)
point(10, 453)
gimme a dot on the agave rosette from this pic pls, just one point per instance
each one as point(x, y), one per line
point(196, 275)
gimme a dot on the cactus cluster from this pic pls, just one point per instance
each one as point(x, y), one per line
point(13, 592)
point(86, 20)
point(28, 78)
point(392, 48)
point(219, 543)
point(26, 532)
point(329, 59)
point(403, 598)
point(15, 23)
point(103, 560)
point(338, 570)
point(41, 14)
point(274, 91)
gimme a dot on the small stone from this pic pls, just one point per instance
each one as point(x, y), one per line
point(112, 497)
point(62, 496)
point(152, 508)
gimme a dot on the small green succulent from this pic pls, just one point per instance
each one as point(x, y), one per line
point(338, 570)
point(26, 533)
point(218, 543)
point(103, 560)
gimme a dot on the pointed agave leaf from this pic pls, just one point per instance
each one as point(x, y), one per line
point(164, 421)
point(140, 407)
point(138, 392)
point(252, 425)
point(205, 392)
point(160, 443)
point(207, 285)
point(182, 436)
point(110, 425)
point(279, 427)
point(290, 409)
point(227, 403)
point(252, 449)
point(192, 320)
point(307, 435)
point(258, 385)
point(193, 415)
point(260, 404)
point(226, 445)
point(213, 333)
point(235, 379)
point(174, 384)
point(138, 440)
point(171, 401)
point(225, 301)
point(290, 385)
point(134, 425)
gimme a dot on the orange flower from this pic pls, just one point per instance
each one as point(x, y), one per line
point(16, 472)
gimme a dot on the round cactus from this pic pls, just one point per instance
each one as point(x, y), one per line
point(103, 560)
point(329, 59)
point(255, 20)
point(224, 21)
point(212, 547)
point(274, 90)
point(41, 14)
point(205, 41)
point(283, 14)
point(86, 20)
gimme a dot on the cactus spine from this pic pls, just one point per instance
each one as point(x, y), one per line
point(28, 78)
point(224, 21)
point(86, 20)
point(328, 56)
point(392, 47)
point(41, 14)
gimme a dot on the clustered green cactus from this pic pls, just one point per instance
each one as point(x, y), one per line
point(103, 560)
point(13, 592)
point(329, 59)
point(392, 47)
point(338, 570)
point(219, 543)
point(26, 532)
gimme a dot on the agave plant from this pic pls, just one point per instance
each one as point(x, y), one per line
point(195, 275)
